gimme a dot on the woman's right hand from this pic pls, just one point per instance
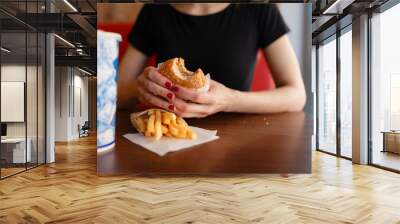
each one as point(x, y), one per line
point(156, 89)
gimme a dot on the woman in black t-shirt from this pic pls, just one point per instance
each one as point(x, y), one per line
point(223, 40)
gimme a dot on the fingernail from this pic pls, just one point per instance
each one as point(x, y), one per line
point(175, 88)
point(171, 107)
point(169, 95)
point(168, 85)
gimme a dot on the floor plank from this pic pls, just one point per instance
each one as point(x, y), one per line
point(69, 191)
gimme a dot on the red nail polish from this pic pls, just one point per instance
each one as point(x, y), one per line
point(175, 88)
point(169, 95)
point(168, 85)
point(171, 107)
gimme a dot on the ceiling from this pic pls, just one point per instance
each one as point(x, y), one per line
point(330, 16)
point(72, 20)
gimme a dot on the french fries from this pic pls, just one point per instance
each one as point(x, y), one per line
point(157, 123)
point(150, 125)
point(141, 125)
point(158, 129)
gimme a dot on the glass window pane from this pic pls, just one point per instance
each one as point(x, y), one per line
point(327, 97)
point(22, 64)
point(14, 153)
point(385, 114)
point(346, 94)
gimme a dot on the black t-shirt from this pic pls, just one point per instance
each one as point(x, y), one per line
point(224, 44)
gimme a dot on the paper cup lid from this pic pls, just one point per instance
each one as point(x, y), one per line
point(115, 36)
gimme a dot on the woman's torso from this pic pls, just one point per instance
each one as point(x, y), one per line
point(224, 44)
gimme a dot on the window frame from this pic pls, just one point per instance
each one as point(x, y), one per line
point(334, 37)
point(371, 13)
point(27, 29)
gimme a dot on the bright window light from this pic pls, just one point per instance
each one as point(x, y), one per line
point(65, 41)
point(70, 5)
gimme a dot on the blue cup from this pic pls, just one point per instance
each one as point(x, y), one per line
point(107, 76)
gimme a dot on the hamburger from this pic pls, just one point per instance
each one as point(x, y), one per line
point(174, 69)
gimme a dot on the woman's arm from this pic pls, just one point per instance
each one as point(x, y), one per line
point(289, 94)
point(131, 66)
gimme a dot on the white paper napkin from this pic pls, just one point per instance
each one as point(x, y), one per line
point(166, 144)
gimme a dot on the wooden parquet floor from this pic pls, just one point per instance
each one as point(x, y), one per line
point(70, 192)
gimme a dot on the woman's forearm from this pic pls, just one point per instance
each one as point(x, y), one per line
point(283, 99)
point(290, 93)
point(131, 66)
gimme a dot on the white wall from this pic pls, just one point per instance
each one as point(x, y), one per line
point(62, 81)
point(80, 94)
point(298, 19)
point(33, 127)
point(71, 87)
point(17, 73)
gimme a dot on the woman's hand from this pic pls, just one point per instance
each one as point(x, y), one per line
point(191, 103)
point(155, 89)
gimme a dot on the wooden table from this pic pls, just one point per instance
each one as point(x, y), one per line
point(279, 143)
point(391, 141)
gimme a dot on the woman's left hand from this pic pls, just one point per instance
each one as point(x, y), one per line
point(191, 103)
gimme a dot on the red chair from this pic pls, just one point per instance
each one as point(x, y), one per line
point(262, 79)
